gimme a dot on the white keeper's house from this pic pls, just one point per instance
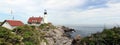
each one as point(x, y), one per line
point(35, 21)
point(11, 24)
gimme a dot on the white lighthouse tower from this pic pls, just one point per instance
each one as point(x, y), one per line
point(45, 17)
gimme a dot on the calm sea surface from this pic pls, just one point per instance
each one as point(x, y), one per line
point(86, 30)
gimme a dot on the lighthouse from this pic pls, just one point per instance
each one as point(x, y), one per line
point(45, 16)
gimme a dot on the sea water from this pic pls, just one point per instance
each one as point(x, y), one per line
point(86, 30)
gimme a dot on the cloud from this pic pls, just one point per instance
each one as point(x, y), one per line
point(62, 4)
point(27, 8)
point(30, 7)
point(114, 1)
point(108, 15)
point(64, 11)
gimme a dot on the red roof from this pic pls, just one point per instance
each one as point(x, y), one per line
point(35, 20)
point(14, 22)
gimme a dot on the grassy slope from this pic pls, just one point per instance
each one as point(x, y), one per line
point(27, 35)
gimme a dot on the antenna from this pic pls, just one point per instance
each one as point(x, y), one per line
point(11, 12)
point(105, 27)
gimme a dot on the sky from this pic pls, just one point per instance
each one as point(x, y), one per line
point(63, 11)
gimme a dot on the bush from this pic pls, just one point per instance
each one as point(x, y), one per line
point(107, 37)
point(47, 26)
point(30, 35)
point(8, 37)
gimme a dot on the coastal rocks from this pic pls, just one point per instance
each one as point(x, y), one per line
point(66, 29)
point(43, 43)
point(57, 37)
point(76, 40)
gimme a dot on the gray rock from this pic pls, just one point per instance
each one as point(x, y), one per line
point(55, 37)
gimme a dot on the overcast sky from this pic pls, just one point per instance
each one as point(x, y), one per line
point(63, 11)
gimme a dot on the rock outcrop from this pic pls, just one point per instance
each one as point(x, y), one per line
point(76, 40)
point(58, 36)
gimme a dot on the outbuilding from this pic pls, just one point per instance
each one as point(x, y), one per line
point(11, 24)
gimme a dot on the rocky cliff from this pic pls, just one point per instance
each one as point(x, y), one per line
point(46, 34)
point(58, 36)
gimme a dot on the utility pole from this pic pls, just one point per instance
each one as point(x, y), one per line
point(11, 13)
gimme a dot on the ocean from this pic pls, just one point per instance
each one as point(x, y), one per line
point(87, 30)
